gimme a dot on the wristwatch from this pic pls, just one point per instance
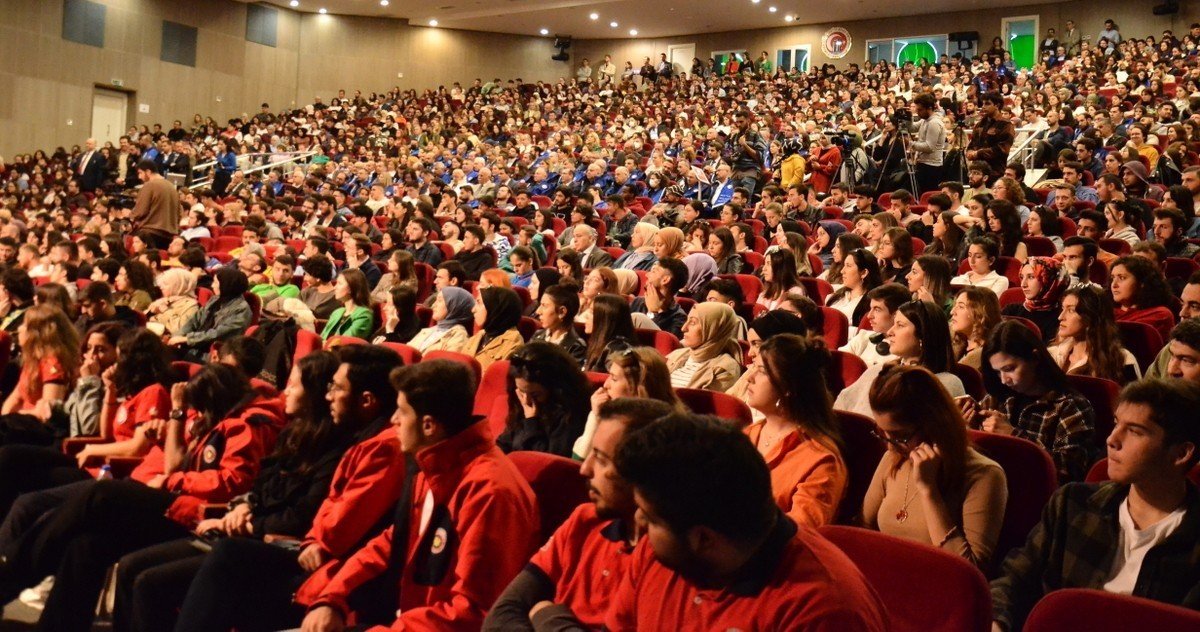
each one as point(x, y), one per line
point(178, 414)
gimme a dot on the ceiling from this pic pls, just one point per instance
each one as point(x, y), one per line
point(656, 19)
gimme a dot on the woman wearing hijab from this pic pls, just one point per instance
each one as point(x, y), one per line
point(1043, 282)
point(669, 243)
point(451, 314)
point(827, 234)
point(496, 313)
point(701, 269)
point(542, 279)
point(711, 356)
point(627, 282)
point(226, 314)
point(640, 255)
point(178, 302)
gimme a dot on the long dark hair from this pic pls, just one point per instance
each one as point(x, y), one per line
point(549, 366)
point(1017, 340)
point(215, 393)
point(931, 328)
point(308, 434)
point(783, 273)
point(796, 366)
point(1105, 357)
point(611, 319)
point(233, 284)
point(141, 362)
point(1010, 232)
point(865, 262)
point(1153, 290)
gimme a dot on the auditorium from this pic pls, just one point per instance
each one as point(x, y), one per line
point(463, 315)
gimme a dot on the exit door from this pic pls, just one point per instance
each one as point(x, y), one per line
point(109, 111)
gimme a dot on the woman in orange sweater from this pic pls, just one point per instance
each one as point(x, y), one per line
point(799, 435)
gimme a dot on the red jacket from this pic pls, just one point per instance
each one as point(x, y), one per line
point(483, 526)
point(365, 487)
point(822, 176)
point(225, 461)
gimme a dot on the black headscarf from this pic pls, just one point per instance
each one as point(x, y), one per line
point(503, 310)
point(233, 283)
point(778, 321)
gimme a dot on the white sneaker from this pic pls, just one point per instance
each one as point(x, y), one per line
point(36, 597)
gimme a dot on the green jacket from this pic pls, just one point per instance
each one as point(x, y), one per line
point(358, 324)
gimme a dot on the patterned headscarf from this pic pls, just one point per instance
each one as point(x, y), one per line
point(1049, 274)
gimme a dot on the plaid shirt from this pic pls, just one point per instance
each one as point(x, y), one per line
point(1063, 424)
point(1074, 546)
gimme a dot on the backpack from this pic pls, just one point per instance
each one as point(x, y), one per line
point(279, 338)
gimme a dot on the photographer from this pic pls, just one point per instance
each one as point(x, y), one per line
point(745, 151)
point(929, 143)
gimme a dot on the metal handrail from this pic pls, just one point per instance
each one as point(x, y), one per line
point(1025, 152)
point(295, 157)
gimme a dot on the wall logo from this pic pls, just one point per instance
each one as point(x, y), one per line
point(835, 43)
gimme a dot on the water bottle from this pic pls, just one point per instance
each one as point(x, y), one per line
point(105, 473)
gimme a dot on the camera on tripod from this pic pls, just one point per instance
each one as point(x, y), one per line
point(902, 119)
point(840, 139)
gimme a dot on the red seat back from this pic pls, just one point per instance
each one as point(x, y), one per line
point(1031, 480)
point(1024, 321)
point(663, 341)
point(255, 306)
point(556, 482)
point(861, 452)
point(528, 326)
point(1102, 394)
point(461, 358)
point(595, 379)
point(1099, 611)
point(844, 370)
point(837, 328)
point(1142, 340)
point(306, 342)
point(971, 379)
point(726, 407)
point(1012, 296)
point(1039, 246)
point(410, 355)
point(425, 274)
point(750, 284)
point(816, 289)
point(903, 574)
point(492, 388)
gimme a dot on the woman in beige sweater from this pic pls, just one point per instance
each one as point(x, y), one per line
point(711, 358)
point(931, 485)
point(178, 302)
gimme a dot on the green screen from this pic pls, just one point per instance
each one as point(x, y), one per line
point(1024, 51)
point(916, 52)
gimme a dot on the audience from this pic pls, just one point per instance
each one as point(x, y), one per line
point(975, 314)
point(453, 310)
point(632, 372)
point(496, 316)
point(711, 356)
point(354, 318)
point(1043, 283)
point(547, 401)
point(1088, 342)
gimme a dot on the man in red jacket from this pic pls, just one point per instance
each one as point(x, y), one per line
point(571, 579)
point(718, 554)
point(465, 525)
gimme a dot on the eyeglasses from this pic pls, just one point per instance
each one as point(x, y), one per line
point(899, 444)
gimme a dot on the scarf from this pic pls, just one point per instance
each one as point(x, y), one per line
point(718, 332)
point(503, 311)
point(459, 304)
point(701, 269)
point(177, 282)
point(1049, 274)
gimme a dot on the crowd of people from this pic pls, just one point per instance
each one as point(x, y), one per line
point(257, 385)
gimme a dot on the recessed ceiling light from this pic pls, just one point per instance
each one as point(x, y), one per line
point(544, 31)
point(383, 3)
point(788, 18)
point(613, 24)
point(322, 11)
point(633, 31)
point(756, 1)
point(294, 3)
point(433, 23)
point(594, 16)
point(772, 9)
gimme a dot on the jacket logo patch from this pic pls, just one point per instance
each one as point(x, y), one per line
point(439, 541)
point(209, 456)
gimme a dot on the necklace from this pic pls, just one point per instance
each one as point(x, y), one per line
point(902, 515)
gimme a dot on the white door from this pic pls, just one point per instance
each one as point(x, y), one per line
point(680, 56)
point(108, 115)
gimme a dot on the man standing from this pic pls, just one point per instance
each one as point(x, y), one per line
point(993, 135)
point(572, 578)
point(746, 149)
point(718, 553)
point(608, 71)
point(929, 142)
point(91, 168)
point(156, 212)
point(1071, 39)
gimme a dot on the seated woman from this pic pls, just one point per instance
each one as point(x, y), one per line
point(1124, 220)
point(668, 243)
point(632, 372)
point(870, 343)
point(799, 436)
point(895, 254)
point(401, 271)
point(797, 244)
point(93, 523)
point(860, 274)
point(640, 255)
point(48, 370)
point(452, 313)
point(1140, 294)
point(547, 401)
point(846, 243)
point(975, 314)
point(400, 323)
point(949, 239)
point(628, 282)
point(828, 232)
point(226, 314)
point(354, 318)
point(135, 392)
point(178, 302)
point(86, 400)
point(286, 495)
point(496, 315)
point(542, 278)
point(919, 335)
point(556, 314)
point(1029, 397)
point(929, 280)
point(982, 255)
point(711, 358)
point(762, 329)
point(599, 281)
point(1043, 222)
point(1088, 342)
point(570, 265)
point(611, 324)
point(701, 269)
point(318, 292)
point(1004, 225)
point(523, 262)
point(880, 223)
point(958, 495)
point(779, 278)
point(1043, 282)
point(134, 286)
point(723, 251)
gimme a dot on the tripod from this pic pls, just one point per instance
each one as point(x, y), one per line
point(908, 168)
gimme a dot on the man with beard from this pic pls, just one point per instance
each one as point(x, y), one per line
point(571, 579)
point(718, 553)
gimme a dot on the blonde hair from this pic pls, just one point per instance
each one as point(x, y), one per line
point(48, 334)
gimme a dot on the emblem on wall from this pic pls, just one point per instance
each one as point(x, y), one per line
point(835, 43)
